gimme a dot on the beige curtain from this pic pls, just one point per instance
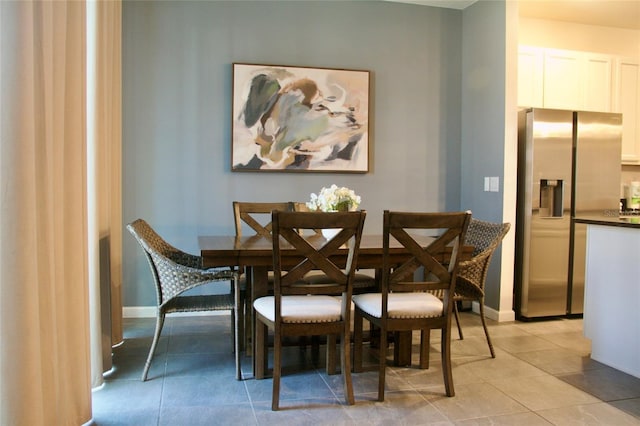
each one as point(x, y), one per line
point(104, 179)
point(60, 206)
point(44, 312)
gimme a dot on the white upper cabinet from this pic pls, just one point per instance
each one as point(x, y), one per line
point(530, 76)
point(563, 76)
point(577, 80)
point(584, 81)
point(627, 101)
point(597, 82)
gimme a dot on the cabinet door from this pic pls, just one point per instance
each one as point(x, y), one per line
point(563, 79)
point(530, 70)
point(628, 103)
point(597, 82)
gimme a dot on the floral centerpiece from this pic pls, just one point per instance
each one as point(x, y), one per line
point(334, 199)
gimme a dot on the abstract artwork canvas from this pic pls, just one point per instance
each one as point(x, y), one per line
point(300, 119)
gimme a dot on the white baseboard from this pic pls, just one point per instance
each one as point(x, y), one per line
point(491, 313)
point(150, 312)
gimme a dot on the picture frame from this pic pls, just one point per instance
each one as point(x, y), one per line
point(299, 119)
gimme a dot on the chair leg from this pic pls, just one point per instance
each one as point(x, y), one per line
point(382, 362)
point(486, 330)
point(237, 315)
point(156, 337)
point(425, 346)
point(455, 311)
point(357, 343)
point(248, 313)
point(345, 364)
point(260, 351)
point(277, 361)
point(446, 361)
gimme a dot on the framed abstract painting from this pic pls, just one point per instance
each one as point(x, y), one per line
point(299, 119)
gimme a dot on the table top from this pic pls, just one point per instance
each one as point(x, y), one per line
point(224, 250)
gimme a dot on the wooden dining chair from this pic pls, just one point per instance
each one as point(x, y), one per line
point(298, 308)
point(363, 281)
point(174, 272)
point(256, 216)
point(405, 304)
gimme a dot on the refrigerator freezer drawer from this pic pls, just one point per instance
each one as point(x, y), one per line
point(544, 281)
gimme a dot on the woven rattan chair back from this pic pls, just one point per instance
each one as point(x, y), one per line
point(485, 237)
point(174, 272)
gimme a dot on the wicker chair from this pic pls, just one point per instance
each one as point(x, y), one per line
point(175, 272)
point(485, 237)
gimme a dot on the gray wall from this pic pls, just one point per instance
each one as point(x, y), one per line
point(177, 60)
point(484, 120)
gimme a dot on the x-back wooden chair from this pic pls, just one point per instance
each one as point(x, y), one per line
point(405, 304)
point(299, 308)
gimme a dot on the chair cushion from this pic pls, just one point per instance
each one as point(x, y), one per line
point(401, 305)
point(302, 309)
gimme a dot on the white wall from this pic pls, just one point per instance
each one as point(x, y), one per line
point(177, 60)
point(574, 36)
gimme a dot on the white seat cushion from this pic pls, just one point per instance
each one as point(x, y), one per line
point(302, 309)
point(401, 305)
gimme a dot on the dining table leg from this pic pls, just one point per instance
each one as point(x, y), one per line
point(402, 348)
point(259, 288)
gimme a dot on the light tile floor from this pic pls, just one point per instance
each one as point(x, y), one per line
point(542, 375)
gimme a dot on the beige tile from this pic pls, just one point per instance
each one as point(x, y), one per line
point(559, 361)
point(516, 344)
point(470, 346)
point(543, 392)
point(398, 408)
point(520, 419)
point(572, 340)
point(462, 370)
point(590, 414)
point(473, 401)
point(550, 326)
point(503, 366)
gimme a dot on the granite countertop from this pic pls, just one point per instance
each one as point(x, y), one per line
point(610, 220)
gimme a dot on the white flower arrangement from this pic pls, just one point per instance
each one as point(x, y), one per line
point(334, 199)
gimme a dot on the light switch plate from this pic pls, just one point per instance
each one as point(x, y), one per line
point(494, 184)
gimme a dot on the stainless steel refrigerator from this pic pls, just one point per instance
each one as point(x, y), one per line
point(568, 166)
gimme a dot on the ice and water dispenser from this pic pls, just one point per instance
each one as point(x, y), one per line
point(551, 197)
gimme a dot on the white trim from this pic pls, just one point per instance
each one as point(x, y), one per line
point(500, 316)
point(150, 312)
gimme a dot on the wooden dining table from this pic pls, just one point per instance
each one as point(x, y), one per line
point(256, 253)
